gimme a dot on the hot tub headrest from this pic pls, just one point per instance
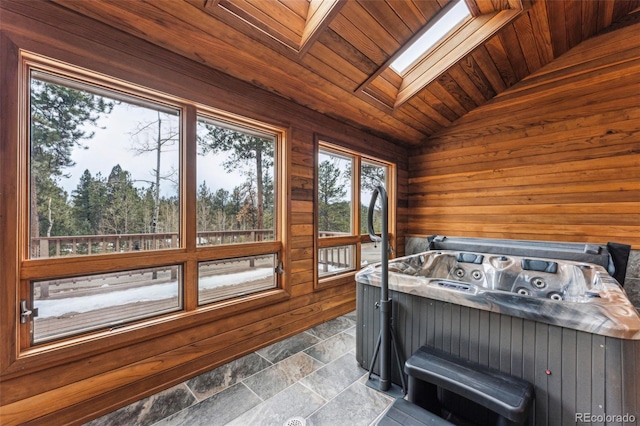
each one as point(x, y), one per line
point(612, 256)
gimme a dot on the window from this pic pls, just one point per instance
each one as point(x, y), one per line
point(228, 278)
point(103, 179)
point(104, 170)
point(372, 174)
point(344, 244)
point(335, 201)
point(292, 23)
point(236, 204)
point(112, 184)
point(236, 170)
point(74, 305)
point(446, 24)
point(336, 259)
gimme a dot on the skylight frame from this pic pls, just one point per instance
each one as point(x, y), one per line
point(432, 37)
point(379, 88)
point(271, 29)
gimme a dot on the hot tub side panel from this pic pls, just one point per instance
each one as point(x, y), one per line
point(573, 372)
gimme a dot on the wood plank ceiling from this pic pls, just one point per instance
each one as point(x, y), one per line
point(333, 55)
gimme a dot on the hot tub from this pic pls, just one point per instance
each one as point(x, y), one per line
point(564, 325)
point(577, 295)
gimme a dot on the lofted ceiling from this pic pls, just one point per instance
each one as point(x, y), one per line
point(333, 56)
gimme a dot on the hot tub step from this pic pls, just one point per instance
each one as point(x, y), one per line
point(505, 395)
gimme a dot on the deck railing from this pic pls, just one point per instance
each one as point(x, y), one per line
point(118, 243)
point(335, 258)
point(42, 247)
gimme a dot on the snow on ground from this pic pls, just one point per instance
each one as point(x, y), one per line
point(59, 307)
point(237, 278)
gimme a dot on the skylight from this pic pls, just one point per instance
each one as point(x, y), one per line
point(443, 26)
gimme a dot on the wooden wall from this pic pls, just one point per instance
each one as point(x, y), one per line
point(556, 157)
point(43, 387)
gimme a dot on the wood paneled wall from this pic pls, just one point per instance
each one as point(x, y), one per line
point(46, 390)
point(556, 157)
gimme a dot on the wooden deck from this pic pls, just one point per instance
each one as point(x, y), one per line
point(74, 322)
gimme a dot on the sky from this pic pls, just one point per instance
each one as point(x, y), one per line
point(113, 144)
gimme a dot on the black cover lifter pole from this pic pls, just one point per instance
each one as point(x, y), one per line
point(385, 302)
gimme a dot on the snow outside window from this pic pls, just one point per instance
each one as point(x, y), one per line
point(70, 306)
point(228, 278)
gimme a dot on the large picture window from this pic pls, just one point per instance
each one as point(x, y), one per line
point(236, 171)
point(128, 220)
point(345, 183)
point(104, 170)
point(335, 189)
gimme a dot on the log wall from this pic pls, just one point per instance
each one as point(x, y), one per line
point(63, 385)
point(556, 157)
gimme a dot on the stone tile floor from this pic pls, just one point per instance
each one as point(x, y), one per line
point(312, 375)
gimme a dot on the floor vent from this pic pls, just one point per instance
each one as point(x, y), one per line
point(295, 421)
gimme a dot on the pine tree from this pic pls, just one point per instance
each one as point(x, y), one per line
point(243, 150)
point(60, 118)
point(205, 209)
point(88, 199)
point(331, 217)
point(233, 208)
point(219, 204)
point(371, 176)
point(122, 212)
point(248, 215)
point(56, 218)
point(269, 201)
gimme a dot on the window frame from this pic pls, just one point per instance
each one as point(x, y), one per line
point(186, 255)
point(356, 238)
point(117, 92)
point(232, 251)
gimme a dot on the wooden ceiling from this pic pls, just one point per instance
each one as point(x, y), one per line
point(333, 55)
